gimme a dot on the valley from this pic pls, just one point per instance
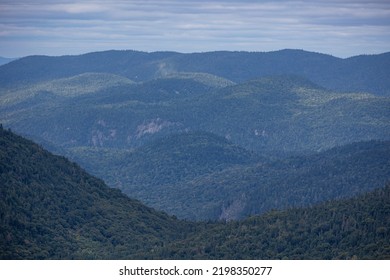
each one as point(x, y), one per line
point(217, 144)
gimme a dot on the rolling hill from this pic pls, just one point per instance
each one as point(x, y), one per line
point(284, 113)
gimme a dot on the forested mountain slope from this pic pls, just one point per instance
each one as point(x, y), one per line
point(202, 176)
point(283, 113)
point(51, 209)
point(356, 228)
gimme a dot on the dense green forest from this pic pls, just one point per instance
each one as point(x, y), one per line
point(207, 177)
point(52, 209)
point(356, 228)
point(285, 113)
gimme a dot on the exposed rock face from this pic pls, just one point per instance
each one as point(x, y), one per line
point(234, 210)
point(152, 126)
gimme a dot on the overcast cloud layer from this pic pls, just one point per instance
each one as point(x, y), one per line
point(342, 28)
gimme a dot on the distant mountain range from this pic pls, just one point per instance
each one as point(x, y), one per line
point(218, 135)
point(365, 73)
point(52, 209)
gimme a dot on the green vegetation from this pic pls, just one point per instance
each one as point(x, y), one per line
point(286, 114)
point(357, 228)
point(202, 176)
point(144, 138)
point(52, 209)
point(203, 136)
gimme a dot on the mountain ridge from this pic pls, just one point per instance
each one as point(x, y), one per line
point(326, 70)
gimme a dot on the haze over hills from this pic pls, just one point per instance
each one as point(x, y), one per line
point(365, 73)
point(287, 114)
point(203, 136)
point(52, 209)
point(200, 176)
point(210, 131)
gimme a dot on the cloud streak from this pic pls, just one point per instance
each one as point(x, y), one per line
point(342, 28)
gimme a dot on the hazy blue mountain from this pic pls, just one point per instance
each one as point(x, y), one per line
point(361, 73)
point(5, 60)
point(202, 176)
point(283, 113)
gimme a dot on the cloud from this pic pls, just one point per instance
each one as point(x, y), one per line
point(342, 28)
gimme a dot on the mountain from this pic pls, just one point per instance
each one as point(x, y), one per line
point(159, 173)
point(134, 65)
point(246, 190)
point(365, 73)
point(156, 125)
point(283, 113)
point(356, 228)
point(52, 209)
point(201, 176)
point(5, 60)
point(134, 135)
point(291, 114)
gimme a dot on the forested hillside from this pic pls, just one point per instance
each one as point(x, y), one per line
point(52, 209)
point(287, 114)
point(207, 177)
point(357, 228)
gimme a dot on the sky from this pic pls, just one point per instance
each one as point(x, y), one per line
point(342, 28)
